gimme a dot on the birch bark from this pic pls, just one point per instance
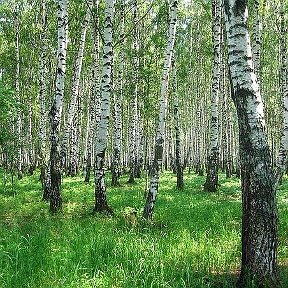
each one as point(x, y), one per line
point(213, 158)
point(158, 152)
point(96, 91)
point(118, 98)
point(56, 109)
point(17, 94)
point(101, 204)
point(134, 102)
point(75, 89)
point(45, 179)
point(179, 166)
point(259, 218)
point(256, 41)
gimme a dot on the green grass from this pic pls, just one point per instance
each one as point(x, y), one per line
point(193, 240)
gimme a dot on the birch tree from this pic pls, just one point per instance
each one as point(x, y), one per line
point(101, 204)
point(96, 89)
point(259, 219)
point(213, 158)
point(256, 40)
point(178, 163)
point(118, 98)
point(133, 140)
point(75, 89)
point(44, 167)
point(158, 149)
point(56, 109)
point(17, 92)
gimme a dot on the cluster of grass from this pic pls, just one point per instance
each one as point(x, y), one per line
point(193, 240)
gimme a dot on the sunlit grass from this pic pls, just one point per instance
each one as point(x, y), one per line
point(193, 240)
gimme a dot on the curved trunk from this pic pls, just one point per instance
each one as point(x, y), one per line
point(75, 92)
point(158, 152)
point(259, 219)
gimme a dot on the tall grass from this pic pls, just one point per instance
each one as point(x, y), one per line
point(193, 240)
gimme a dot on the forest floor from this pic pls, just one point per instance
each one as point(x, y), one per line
point(193, 240)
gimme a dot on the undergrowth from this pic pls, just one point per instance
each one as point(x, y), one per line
point(192, 241)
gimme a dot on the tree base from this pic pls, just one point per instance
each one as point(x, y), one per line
point(103, 209)
point(247, 280)
point(55, 206)
point(131, 180)
point(210, 187)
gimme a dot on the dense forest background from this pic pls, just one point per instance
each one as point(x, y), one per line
point(141, 96)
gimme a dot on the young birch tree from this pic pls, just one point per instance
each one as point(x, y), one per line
point(45, 178)
point(133, 159)
point(101, 204)
point(178, 162)
point(75, 90)
point(96, 93)
point(213, 158)
point(17, 93)
point(118, 98)
point(158, 149)
point(259, 219)
point(56, 109)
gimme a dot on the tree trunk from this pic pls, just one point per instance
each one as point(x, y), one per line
point(75, 92)
point(256, 41)
point(18, 98)
point(213, 158)
point(73, 159)
point(179, 166)
point(56, 109)
point(158, 152)
point(118, 98)
point(133, 161)
point(259, 219)
point(96, 93)
point(101, 204)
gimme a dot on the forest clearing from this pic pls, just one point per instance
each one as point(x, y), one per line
point(194, 239)
point(143, 143)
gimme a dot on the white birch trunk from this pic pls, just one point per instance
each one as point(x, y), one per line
point(31, 151)
point(45, 174)
point(213, 158)
point(178, 163)
point(259, 219)
point(73, 157)
point(134, 102)
point(75, 89)
point(101, 204)
point(256, 41)
point(56, 109)
point(158, 152)
point(118, 98)
point(96, 92)
point(18, 98)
